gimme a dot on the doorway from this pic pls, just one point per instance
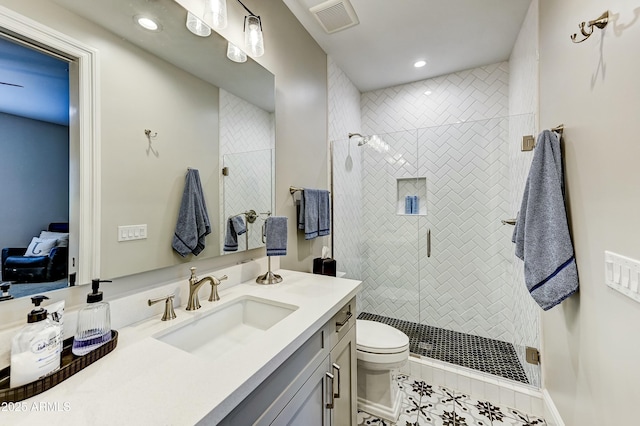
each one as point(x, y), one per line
point(35, 169)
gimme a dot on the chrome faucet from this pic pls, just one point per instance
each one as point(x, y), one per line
point(194, 287)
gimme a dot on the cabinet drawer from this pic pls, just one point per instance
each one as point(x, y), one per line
point(342, 322)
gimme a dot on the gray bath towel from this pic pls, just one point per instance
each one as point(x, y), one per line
point(275, 230)
point(314, 213)
point(193, 219)
point(542, 232)
point(235, 227)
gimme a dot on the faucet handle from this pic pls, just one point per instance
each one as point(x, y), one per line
point(169, 313)
point(215, 282)
point(193, 273)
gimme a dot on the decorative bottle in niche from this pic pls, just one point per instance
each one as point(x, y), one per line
point(94, 323)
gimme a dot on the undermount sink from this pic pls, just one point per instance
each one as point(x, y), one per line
point(231, 327)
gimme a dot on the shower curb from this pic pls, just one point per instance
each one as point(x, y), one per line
point(499, 391)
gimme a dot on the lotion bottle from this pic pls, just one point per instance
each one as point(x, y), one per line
point(35, 350)
point(94, 323)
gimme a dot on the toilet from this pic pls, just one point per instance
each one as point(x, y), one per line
point(381, 350)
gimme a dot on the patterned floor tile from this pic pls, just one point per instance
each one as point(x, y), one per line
point(524, 419)
point(427, 405)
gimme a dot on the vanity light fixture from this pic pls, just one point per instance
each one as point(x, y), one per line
point(197, 26)
point(253, 41)
point(420, 64)
point(235, 54)
point(147, 23)
point(215, 11)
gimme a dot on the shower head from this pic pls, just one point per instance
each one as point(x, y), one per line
point(363, 139)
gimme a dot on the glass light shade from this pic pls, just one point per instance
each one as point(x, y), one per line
point(215, 12)
point(196, 26)
point(253, 36)
point(235, 54)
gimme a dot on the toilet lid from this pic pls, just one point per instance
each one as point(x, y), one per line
point(376, 337)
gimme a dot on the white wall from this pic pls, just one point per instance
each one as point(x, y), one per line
point(590, 342)
point(523, 112)
point(34, 177)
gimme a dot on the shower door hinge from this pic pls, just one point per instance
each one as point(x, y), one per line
point(225, 171)
point(528, 143)
point(533, 356)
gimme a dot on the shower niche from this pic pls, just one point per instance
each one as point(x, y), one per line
point(406, 188)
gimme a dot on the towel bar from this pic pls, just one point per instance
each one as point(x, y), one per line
point(508, 221)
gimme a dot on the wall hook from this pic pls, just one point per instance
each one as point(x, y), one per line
point(147, 132)
point(586, 28)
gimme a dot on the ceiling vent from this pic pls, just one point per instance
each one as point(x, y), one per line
point(335, 15)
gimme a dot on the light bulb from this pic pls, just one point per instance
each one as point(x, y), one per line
point(235, 54)
point(215, 12)
point(196, 26)
point(253, 36)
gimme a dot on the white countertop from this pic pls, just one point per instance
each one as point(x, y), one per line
point(145, 381)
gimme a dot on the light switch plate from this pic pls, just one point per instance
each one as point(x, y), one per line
point(622, 274)
point(132, 232)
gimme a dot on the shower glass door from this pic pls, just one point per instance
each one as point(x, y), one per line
point(392, 241)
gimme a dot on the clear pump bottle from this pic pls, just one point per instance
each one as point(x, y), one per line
point(94, 323)
point(35, 350)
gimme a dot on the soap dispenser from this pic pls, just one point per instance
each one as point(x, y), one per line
point(94, 322)
point(35, 350)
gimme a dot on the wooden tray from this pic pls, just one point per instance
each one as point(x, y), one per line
point(71, 364)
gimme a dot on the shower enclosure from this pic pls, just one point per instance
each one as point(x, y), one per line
point(442, 271)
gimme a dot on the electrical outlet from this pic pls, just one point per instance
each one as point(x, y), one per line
point(132, 232)
point(622, 274)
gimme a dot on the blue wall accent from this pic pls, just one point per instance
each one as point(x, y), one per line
point(34, 178)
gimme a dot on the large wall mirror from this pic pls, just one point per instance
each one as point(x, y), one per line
point(201, 111)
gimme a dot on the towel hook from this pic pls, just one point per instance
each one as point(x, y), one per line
point(148, 134)
point(586, 28)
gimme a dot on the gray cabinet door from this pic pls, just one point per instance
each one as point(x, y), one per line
point(311, 404)
point(343, 356)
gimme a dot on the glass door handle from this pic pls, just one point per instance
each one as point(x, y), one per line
point(429, 242)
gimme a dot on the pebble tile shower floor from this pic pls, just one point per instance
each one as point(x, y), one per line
point(487, 355)
point(427, 405)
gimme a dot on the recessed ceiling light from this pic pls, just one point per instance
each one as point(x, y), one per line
point(147, 23)
point(428, 92)
point(420, 64)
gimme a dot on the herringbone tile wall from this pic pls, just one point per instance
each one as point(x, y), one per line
point(461, 149)
point(247, 139)
point(523, 101)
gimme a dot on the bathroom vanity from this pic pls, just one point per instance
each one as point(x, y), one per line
point(292, 359)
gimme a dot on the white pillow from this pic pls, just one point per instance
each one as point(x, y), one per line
point(40, 247)
point(62, 237)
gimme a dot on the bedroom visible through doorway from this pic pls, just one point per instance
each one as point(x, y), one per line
point(35, 168)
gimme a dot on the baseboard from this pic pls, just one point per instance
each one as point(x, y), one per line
point(552, 415)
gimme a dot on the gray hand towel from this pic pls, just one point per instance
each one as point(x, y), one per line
point(311, 200)
point(235, 227)
point(542, 235)
point(275, 229)
point(193, 219)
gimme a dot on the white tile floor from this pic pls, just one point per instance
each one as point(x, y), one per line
point(429, 405)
